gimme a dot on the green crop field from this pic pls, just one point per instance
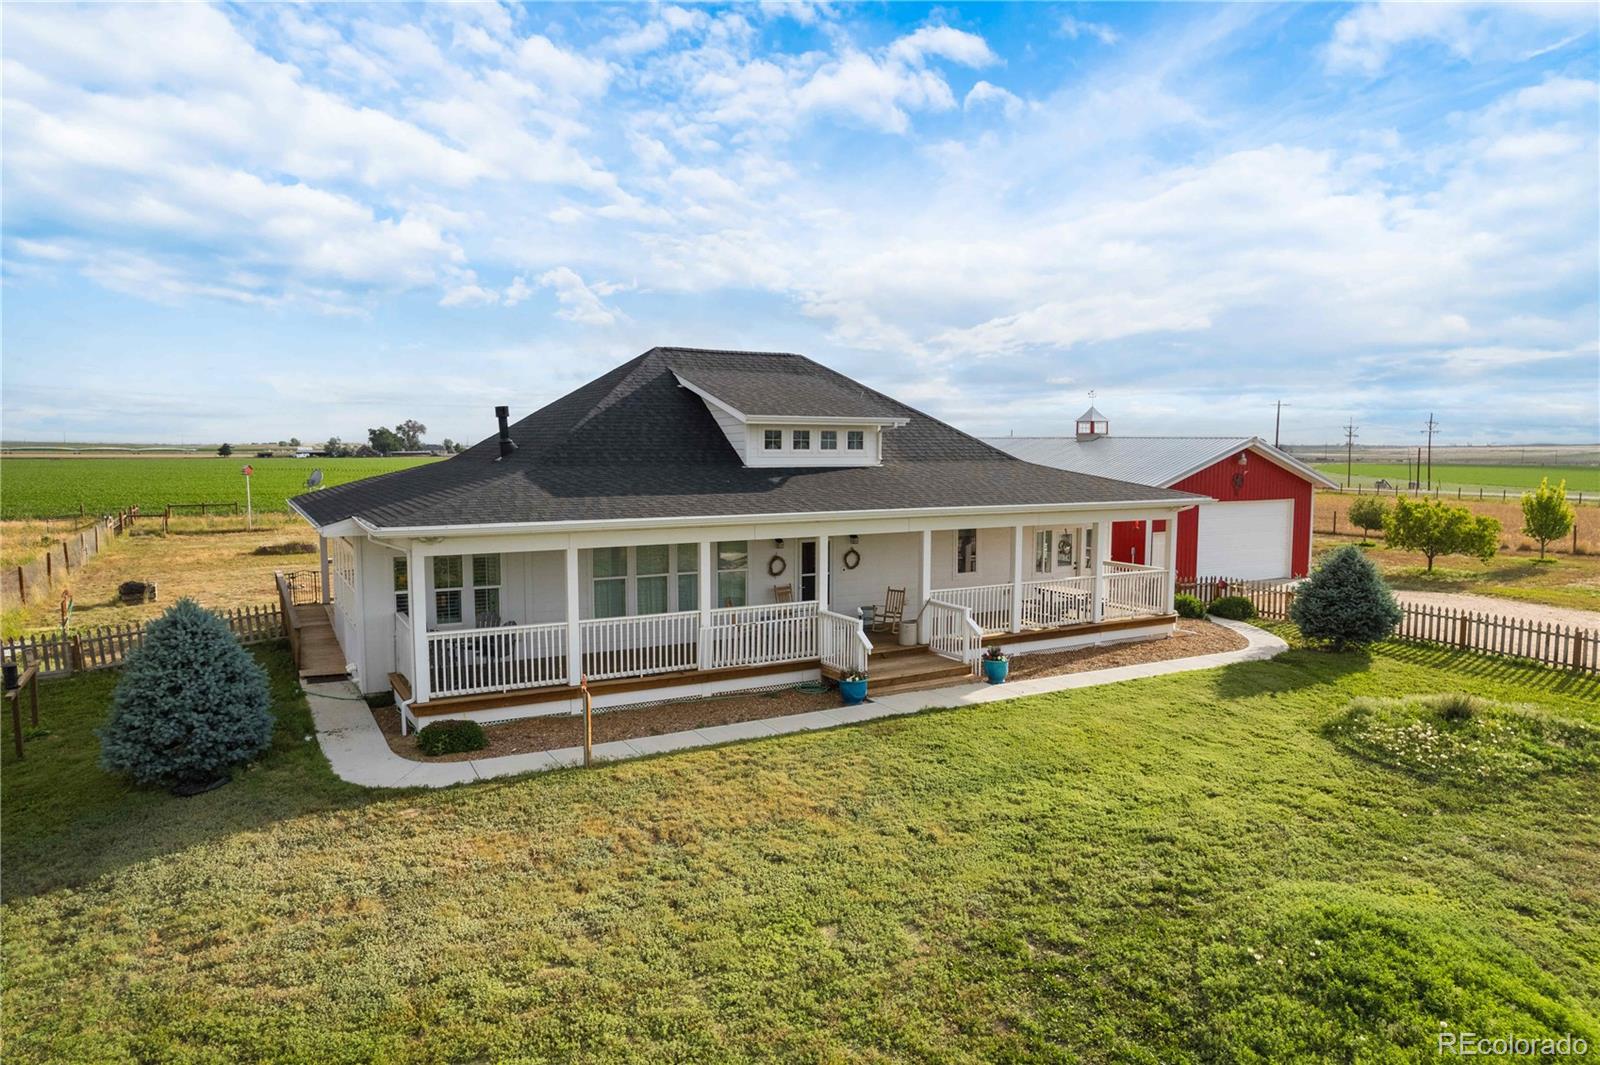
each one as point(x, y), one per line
point(40, 487)
point(1521, 478)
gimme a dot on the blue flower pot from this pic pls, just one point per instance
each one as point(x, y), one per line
point(995, 670)
point(853, 691)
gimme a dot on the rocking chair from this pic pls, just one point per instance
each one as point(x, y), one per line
point(886, 618)
point(783, 593)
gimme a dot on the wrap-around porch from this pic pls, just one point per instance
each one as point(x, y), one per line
point(542, 621)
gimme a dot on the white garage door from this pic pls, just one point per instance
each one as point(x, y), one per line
point(1248, 540)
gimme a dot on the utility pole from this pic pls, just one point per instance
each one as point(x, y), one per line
point(1277, 420)
point(1349, 447)
point(1433, 427)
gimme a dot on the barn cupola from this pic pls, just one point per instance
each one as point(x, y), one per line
point(1092, 425)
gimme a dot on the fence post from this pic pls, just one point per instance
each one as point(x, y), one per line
point(1461, 631)
point(76, 650)
point(1577, 648)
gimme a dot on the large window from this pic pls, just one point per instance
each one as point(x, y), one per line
point(610, 582)
point(966, 550)
point(486, 590)
point(733, 567)
point(772, 440)
point(688, 576)
point(1042, 555)
point(828, 440)
point(447, 589)
point(402, 595)
point(802, 439)
point(855, 440)
point(651, 563)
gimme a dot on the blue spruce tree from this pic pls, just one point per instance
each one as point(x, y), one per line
point(1345, 602)
point(190, 705)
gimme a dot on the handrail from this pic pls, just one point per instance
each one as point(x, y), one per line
point(291, 622)
point(760, 635)
point(472, 661)
point(990, 603)
point(952, 632)
point(842, 642)
point(640, 644)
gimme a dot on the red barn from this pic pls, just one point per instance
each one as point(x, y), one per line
point(1259, 528)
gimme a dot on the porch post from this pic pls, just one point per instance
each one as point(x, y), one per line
point(823, 589)
point(708, 584)
point(322, 551)
point(925, 575)
point(1169, 576)
point(1097, 563)
point(574, 646)
point(1016, 579)
point(417, 595)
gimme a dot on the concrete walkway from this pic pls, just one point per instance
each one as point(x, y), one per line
point(358, 752)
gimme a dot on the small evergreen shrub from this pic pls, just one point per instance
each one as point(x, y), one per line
point(1234, 608)
point(451, 737)
point(190, 705)
point(1345, 602)
point(1188, 606)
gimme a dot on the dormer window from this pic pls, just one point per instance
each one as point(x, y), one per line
point(772, 440)
point(829, 441)
point(802, 439)
point(855, 440)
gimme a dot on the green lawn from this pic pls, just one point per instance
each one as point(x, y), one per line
point(1181, 869)
point(1521, 478)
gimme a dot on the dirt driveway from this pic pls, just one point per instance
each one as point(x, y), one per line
point(1511, 608)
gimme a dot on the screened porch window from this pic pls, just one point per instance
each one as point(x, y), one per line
point(486, 590)
point(733, 566)
point(447, 577)
point(688, 576)
point(650, 584)
point(610, 582)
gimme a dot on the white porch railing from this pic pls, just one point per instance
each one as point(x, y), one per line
point(990, 604)
point(842, 642)
point(471, 661)
point(405, 651)
point(641, 645)
point(1050, 604)
point(1135, 591)
point(761, 635)
point(952, 632)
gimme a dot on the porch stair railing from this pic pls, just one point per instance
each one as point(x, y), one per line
point(842, 642)
point(952, 632)
point(990, 604)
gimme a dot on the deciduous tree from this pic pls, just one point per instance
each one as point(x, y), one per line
point(410, 433)
point(1546, 514)
point(1368, 512)
point(1434, 528)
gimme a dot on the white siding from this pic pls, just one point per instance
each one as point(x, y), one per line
point(888, 560)
point(759, 456)
point(731, 427)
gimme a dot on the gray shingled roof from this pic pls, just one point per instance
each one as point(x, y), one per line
point(1153, 460)
point(770, 387)
point(634, 444)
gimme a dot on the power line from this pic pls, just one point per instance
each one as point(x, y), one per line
point(1433, 427)
point(1349, 448)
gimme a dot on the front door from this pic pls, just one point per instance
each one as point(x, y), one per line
point(808, 570)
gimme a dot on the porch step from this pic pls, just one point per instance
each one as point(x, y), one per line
point(910, 668)
point(896, 650)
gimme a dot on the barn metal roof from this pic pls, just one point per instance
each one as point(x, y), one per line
point(1154, 460)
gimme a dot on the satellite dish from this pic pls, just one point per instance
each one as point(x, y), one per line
point(315, 480)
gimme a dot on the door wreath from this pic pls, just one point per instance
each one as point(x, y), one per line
point(852, 559)
point(776, 566)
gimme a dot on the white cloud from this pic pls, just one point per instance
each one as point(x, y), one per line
point(469, 295)
point(560, 70)
point(958, 46)
point(579, 303)
point(983, 94)
point(1364, 40)
point(517, 291)
point(1075, 28)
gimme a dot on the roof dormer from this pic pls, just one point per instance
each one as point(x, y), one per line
point(1092, 425)
point(787, 419)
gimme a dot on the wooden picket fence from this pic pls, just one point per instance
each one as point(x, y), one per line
point(106, 646)
point(1550, 644)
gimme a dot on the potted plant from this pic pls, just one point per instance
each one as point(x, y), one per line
point(853, 686)
point(996, 664)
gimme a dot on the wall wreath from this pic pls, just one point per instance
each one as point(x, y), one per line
point(852, 559)
point(776, 565)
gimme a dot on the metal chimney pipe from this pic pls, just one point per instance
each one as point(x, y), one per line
point(507, 445)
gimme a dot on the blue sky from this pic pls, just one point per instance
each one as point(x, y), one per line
point(262, 221)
